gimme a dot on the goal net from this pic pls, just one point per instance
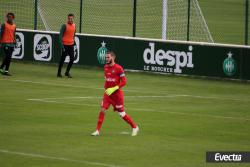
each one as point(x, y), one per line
point(177, 21)
point(23, 10)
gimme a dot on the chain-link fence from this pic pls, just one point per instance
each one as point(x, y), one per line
point(195, 20)
point(108, 18)
point(23, 9)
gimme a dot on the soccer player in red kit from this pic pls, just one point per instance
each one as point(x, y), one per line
point(114, 80)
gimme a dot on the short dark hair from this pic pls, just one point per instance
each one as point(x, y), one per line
point(71, 15)
point(111, 53)
point(10, 14)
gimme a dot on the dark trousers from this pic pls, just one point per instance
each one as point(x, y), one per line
point(8, 50)
point(67, 50)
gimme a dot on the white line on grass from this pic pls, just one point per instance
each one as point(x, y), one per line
point(215, 97)
point(81, 104)
point(99, 97)
point(204, 115)
point(76, 104)
point(51, 84)
point(52, 101)
point(157, 96)
point(62, 85)
point(57, 158)
point(149, 110)
point(87, 87)
point(124, 133)
point(64, 98)
point(189, 114)
point(138, 109)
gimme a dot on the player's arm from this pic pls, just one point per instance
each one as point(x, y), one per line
point(62, 30)
point(123, 80)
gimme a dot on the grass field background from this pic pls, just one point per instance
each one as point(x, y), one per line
point(47, 121)
point(225, 18)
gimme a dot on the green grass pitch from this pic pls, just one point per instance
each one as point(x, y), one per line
point(47, 122)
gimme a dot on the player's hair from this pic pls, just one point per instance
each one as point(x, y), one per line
point(71, 15)
point(111, 53)
point(10, 14)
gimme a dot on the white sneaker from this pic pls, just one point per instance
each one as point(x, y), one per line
point(95, 133)
point(135, 131)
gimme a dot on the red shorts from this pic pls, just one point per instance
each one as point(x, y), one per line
point(116, 100)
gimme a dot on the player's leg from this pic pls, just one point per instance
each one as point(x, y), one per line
point(104, 106)
point(2, 65)
point(119, 106)
point(4, 60)
point(8, 60)
point(99, 122)
point(128, 119)
point(71, 61)
point(62, 59)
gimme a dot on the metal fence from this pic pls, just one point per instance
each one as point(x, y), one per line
point(224, 21)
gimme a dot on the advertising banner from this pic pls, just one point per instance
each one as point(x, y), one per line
point(156, 56)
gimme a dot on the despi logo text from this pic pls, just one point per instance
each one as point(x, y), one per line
point(172, 61)
point(42, 47)
point(18, 52)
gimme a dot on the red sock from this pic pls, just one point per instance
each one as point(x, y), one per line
point(100, 120)
point(129, 120)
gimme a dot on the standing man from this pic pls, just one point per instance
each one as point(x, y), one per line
point(67, 41)
point(115, 80)
point(8, 42)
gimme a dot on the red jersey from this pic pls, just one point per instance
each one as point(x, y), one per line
point(114, 76)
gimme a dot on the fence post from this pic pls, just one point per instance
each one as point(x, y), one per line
point(35, 14)
point(80, 26)
point(188, 21)
point(246, 22)
point(134, 18)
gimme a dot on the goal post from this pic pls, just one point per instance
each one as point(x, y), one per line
point(164, 18)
